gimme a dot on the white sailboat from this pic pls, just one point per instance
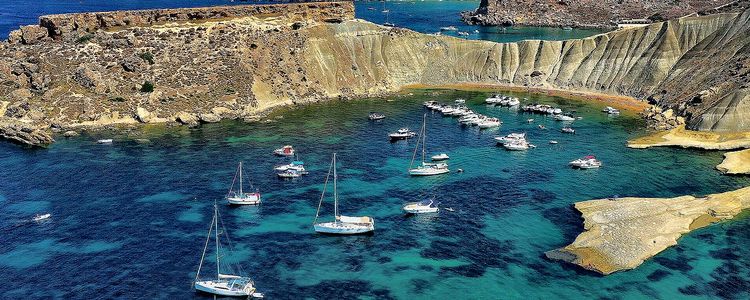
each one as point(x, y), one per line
point(426, 168)
point(240, 197)
point(341, 224)
point(224, 284)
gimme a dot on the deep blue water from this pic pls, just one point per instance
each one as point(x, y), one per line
point(422, 16)
point(129, 219)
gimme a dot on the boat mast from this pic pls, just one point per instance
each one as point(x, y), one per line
point(240, 179)
point(424, 136)
point(205, 248)
point(335, 192)
point(323, 194)
point(216, 234)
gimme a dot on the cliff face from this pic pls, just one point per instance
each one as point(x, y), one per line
point(234, 67)
point(586, 13)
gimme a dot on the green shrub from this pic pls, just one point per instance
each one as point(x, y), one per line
point(148, 57)
point(147, 87)
point(84, 38)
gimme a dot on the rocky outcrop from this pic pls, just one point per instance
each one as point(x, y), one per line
point(75, 26)
point(680, 137)
point(241, 66)
point(735, 163)
point(24, 133)
point(585, 13)
point(620, 234)
point(661, 120)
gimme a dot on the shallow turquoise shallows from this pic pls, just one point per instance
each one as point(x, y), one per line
point(129, 219)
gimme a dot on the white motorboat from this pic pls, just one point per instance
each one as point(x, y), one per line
point(288, 174)
point(376, 116)
point(42, 217)
point(422, 207)
point(460, 101)
point(341, 224)
point(284, 151)
point(104, 141)
point(568, 130)
point(439, 157)
point(513, 102)
point(449, 28)
point(402, 134)
point(591, 164)
point(517, 145)
point(556, 111)
point(426, 168)
point(240, 197)
point(447, 110)
point(513, 137)
point(489, 123)
point(226, 282)
point(494, 99)
point(468, 118)
point(562, 117)
point(297, 165)
point(530, 121)
point(588, 162)
point(553, 142)
point(463, 33)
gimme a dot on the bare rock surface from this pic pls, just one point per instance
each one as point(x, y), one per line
point(735, 163)
point(621, 234)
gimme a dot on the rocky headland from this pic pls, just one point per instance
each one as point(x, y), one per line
point(735, 163)
point(620, 234)
point(587, 13)
point(203, 65)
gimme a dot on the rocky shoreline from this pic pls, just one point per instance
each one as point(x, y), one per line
point(587, 14)
point(620, 234)
point(160, 68)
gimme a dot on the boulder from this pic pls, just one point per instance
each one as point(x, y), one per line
point(70, 133)
point(89, 79)
point(209, 118)
point(143, 115)
point(186, 118)
point(32, 34)
point(668, 114)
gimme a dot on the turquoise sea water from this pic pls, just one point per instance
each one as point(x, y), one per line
point(129, 219)
point(422, 16)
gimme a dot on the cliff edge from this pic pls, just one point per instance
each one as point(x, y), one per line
point(186, 69)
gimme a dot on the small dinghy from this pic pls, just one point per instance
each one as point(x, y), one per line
point(530, 121)
point(568, 130)
point(376, 116)
point(284, 151)
point(240, 197)
point(423, 207)
point(42, 217)
point(341, 224)
point(105, 141)
point(439, 157)
point(553, 142)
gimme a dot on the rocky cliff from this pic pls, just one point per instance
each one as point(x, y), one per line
point(191, 71)
point(589, 13)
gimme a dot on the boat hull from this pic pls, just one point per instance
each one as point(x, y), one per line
point(251, 200)
point(409, 209)
point(340, 228)
point(211, 287)
point(428, 172)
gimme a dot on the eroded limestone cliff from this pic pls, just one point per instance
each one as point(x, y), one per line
point(190, 71)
